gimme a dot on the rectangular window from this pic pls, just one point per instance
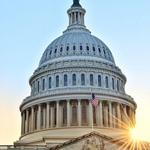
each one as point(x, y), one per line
point(99, 81)
point(82, 79)
point(91, 80)
point(57, 81)
point(38, 86)
point(50, 82)
point(43, 85)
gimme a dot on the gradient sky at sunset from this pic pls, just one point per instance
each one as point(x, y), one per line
point(27, 27)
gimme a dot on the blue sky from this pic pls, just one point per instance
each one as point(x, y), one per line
point(27, 27)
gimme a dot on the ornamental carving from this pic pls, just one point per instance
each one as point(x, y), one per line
point(94, 144)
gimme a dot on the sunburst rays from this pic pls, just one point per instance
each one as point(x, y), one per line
point(126, 139)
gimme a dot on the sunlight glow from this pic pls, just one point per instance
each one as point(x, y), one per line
point(136, 135)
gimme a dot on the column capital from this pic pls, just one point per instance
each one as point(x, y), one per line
point(48, 103)
point(40, 104)
point(68, 100)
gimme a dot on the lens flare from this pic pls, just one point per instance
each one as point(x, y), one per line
point(135, 135)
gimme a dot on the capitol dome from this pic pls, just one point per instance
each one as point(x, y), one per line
point(77, 43)
point(73, 67)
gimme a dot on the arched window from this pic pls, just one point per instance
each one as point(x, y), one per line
point(84, 113)
point(82, 79)
point(104, 52)
point(38, 86)
point(99, 50)
point(67, 48)
point(91, 80)
point(74, 79)
point(93, 50)
point(61, 49)
point(43, 84)
point(74, 114)
point(55, 51)
point(117, 85)
point(74, 47)
point(106, 82)
point(113, 83)
point(50, 82)
point(65, 80)
point(81, 48)
point(99, 81)
point(50, 52)
point(57, 81)
point(87, 48)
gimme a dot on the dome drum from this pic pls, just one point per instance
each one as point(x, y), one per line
point(76, 113)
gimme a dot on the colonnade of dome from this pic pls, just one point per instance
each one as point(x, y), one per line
point(77, 113)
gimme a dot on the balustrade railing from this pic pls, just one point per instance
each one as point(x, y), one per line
point(12, 147)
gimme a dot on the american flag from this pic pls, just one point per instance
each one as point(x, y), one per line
point(94, 101)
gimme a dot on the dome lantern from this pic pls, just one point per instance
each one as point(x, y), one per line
point(76, 14)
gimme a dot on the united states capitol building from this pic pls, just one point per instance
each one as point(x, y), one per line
point(58, 114)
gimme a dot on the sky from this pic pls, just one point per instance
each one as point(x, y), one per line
point(27, 27)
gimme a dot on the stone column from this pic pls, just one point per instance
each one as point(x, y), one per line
point(27, 120)
point(90, 113)
point(47, 115)
point(39, 117)
point(98, 115)
point(106, 115)
point(52, 117)
point(57, 114)
point(118, 115)
point(79, 112)
point(125, 117)
point(68, 113)
point(130, 117)
point(75, 16)
point(32, 118)
point(44, 116)
point(79, 19)
point(71, 18)
point(110, 114)
point(21, 123)
point(101, 113)
point(114, 115)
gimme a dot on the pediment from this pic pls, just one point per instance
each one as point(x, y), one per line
point(91, 141)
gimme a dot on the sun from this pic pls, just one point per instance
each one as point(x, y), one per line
point(136, 135)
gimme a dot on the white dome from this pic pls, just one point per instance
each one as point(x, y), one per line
point(77, 43)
